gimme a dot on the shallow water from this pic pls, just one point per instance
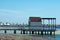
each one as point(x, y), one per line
point(57, 36)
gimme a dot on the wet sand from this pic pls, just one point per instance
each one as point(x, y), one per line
point(22, 37)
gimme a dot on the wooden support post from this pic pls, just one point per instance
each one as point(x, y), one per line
point(32, 32)
point(38, 32)
point(54, 32)
point(48, 22)
point(55, 24)
point(5, 31)
point(51, 24)
point(50, 32)
point(23, 31)
point(14, 31)
point(41, 32)
point(43, 24)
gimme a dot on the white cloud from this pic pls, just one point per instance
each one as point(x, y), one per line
point(10, 11)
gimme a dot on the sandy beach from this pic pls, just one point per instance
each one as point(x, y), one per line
point(22, 37)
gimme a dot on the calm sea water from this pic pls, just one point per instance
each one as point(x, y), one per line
point(57, 36)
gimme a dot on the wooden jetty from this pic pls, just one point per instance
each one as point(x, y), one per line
point(44, 29)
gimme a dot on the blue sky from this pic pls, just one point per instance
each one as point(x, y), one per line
point(18, 11)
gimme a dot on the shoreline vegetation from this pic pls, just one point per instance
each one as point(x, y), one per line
point(23, 37)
